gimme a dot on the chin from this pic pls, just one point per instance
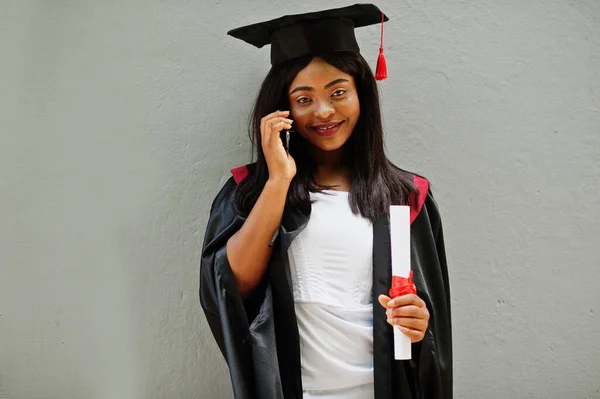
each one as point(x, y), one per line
point(326, 144)
point(328, 147)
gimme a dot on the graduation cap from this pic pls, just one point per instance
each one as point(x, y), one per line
point(315, 33)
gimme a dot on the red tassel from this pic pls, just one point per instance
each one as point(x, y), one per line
point(381, 71)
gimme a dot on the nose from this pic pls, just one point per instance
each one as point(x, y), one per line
point(325, 110)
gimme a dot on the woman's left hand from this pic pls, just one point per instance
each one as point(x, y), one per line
point(409, 312)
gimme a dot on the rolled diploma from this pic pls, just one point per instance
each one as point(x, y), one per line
point(400, 239)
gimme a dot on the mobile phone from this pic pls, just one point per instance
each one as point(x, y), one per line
point(286, 135)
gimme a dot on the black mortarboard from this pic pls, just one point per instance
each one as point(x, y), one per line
point(314, 33)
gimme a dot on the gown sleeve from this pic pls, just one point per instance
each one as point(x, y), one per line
point(434, 361)
point(227, 313)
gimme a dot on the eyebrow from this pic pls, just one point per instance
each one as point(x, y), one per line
point(327, 86)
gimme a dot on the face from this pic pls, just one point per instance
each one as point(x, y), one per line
point(324, 105)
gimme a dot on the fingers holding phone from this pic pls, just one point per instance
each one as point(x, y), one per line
point(281, 165)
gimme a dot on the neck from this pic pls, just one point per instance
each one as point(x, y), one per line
point(332, 170)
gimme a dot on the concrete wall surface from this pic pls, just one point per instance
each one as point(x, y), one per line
point(119, 121)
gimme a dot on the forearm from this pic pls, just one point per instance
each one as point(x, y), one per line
point(248, 250)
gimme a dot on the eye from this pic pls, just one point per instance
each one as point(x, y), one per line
point(303, 100)
point(338, 92)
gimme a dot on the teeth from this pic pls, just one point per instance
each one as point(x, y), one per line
point(326, 128)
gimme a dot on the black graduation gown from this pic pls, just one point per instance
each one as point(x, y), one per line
point(258, 336)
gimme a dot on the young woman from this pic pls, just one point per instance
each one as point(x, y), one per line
point(295, 266)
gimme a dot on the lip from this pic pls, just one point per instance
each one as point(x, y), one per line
point(326, 129)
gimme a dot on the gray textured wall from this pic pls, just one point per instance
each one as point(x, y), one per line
point(120, 119)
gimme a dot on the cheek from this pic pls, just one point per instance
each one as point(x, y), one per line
point(297, 112)
point(355, 106)
point(301, 117)
point(351, 110)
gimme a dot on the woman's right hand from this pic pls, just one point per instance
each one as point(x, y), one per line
point(281, 165)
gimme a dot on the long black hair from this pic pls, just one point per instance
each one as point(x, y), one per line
point(376, 182)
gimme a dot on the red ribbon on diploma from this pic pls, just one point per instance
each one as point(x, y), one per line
point(402, 286)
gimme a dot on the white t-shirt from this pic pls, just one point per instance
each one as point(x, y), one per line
point(331, 263)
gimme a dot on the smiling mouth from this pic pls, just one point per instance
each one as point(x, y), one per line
point(326, 129)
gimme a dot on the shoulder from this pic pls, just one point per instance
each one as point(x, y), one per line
point(426, 205)
point(421, 182)
point(227, 191)
point(420, 197)
point(239, 173)
point(225, 196)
